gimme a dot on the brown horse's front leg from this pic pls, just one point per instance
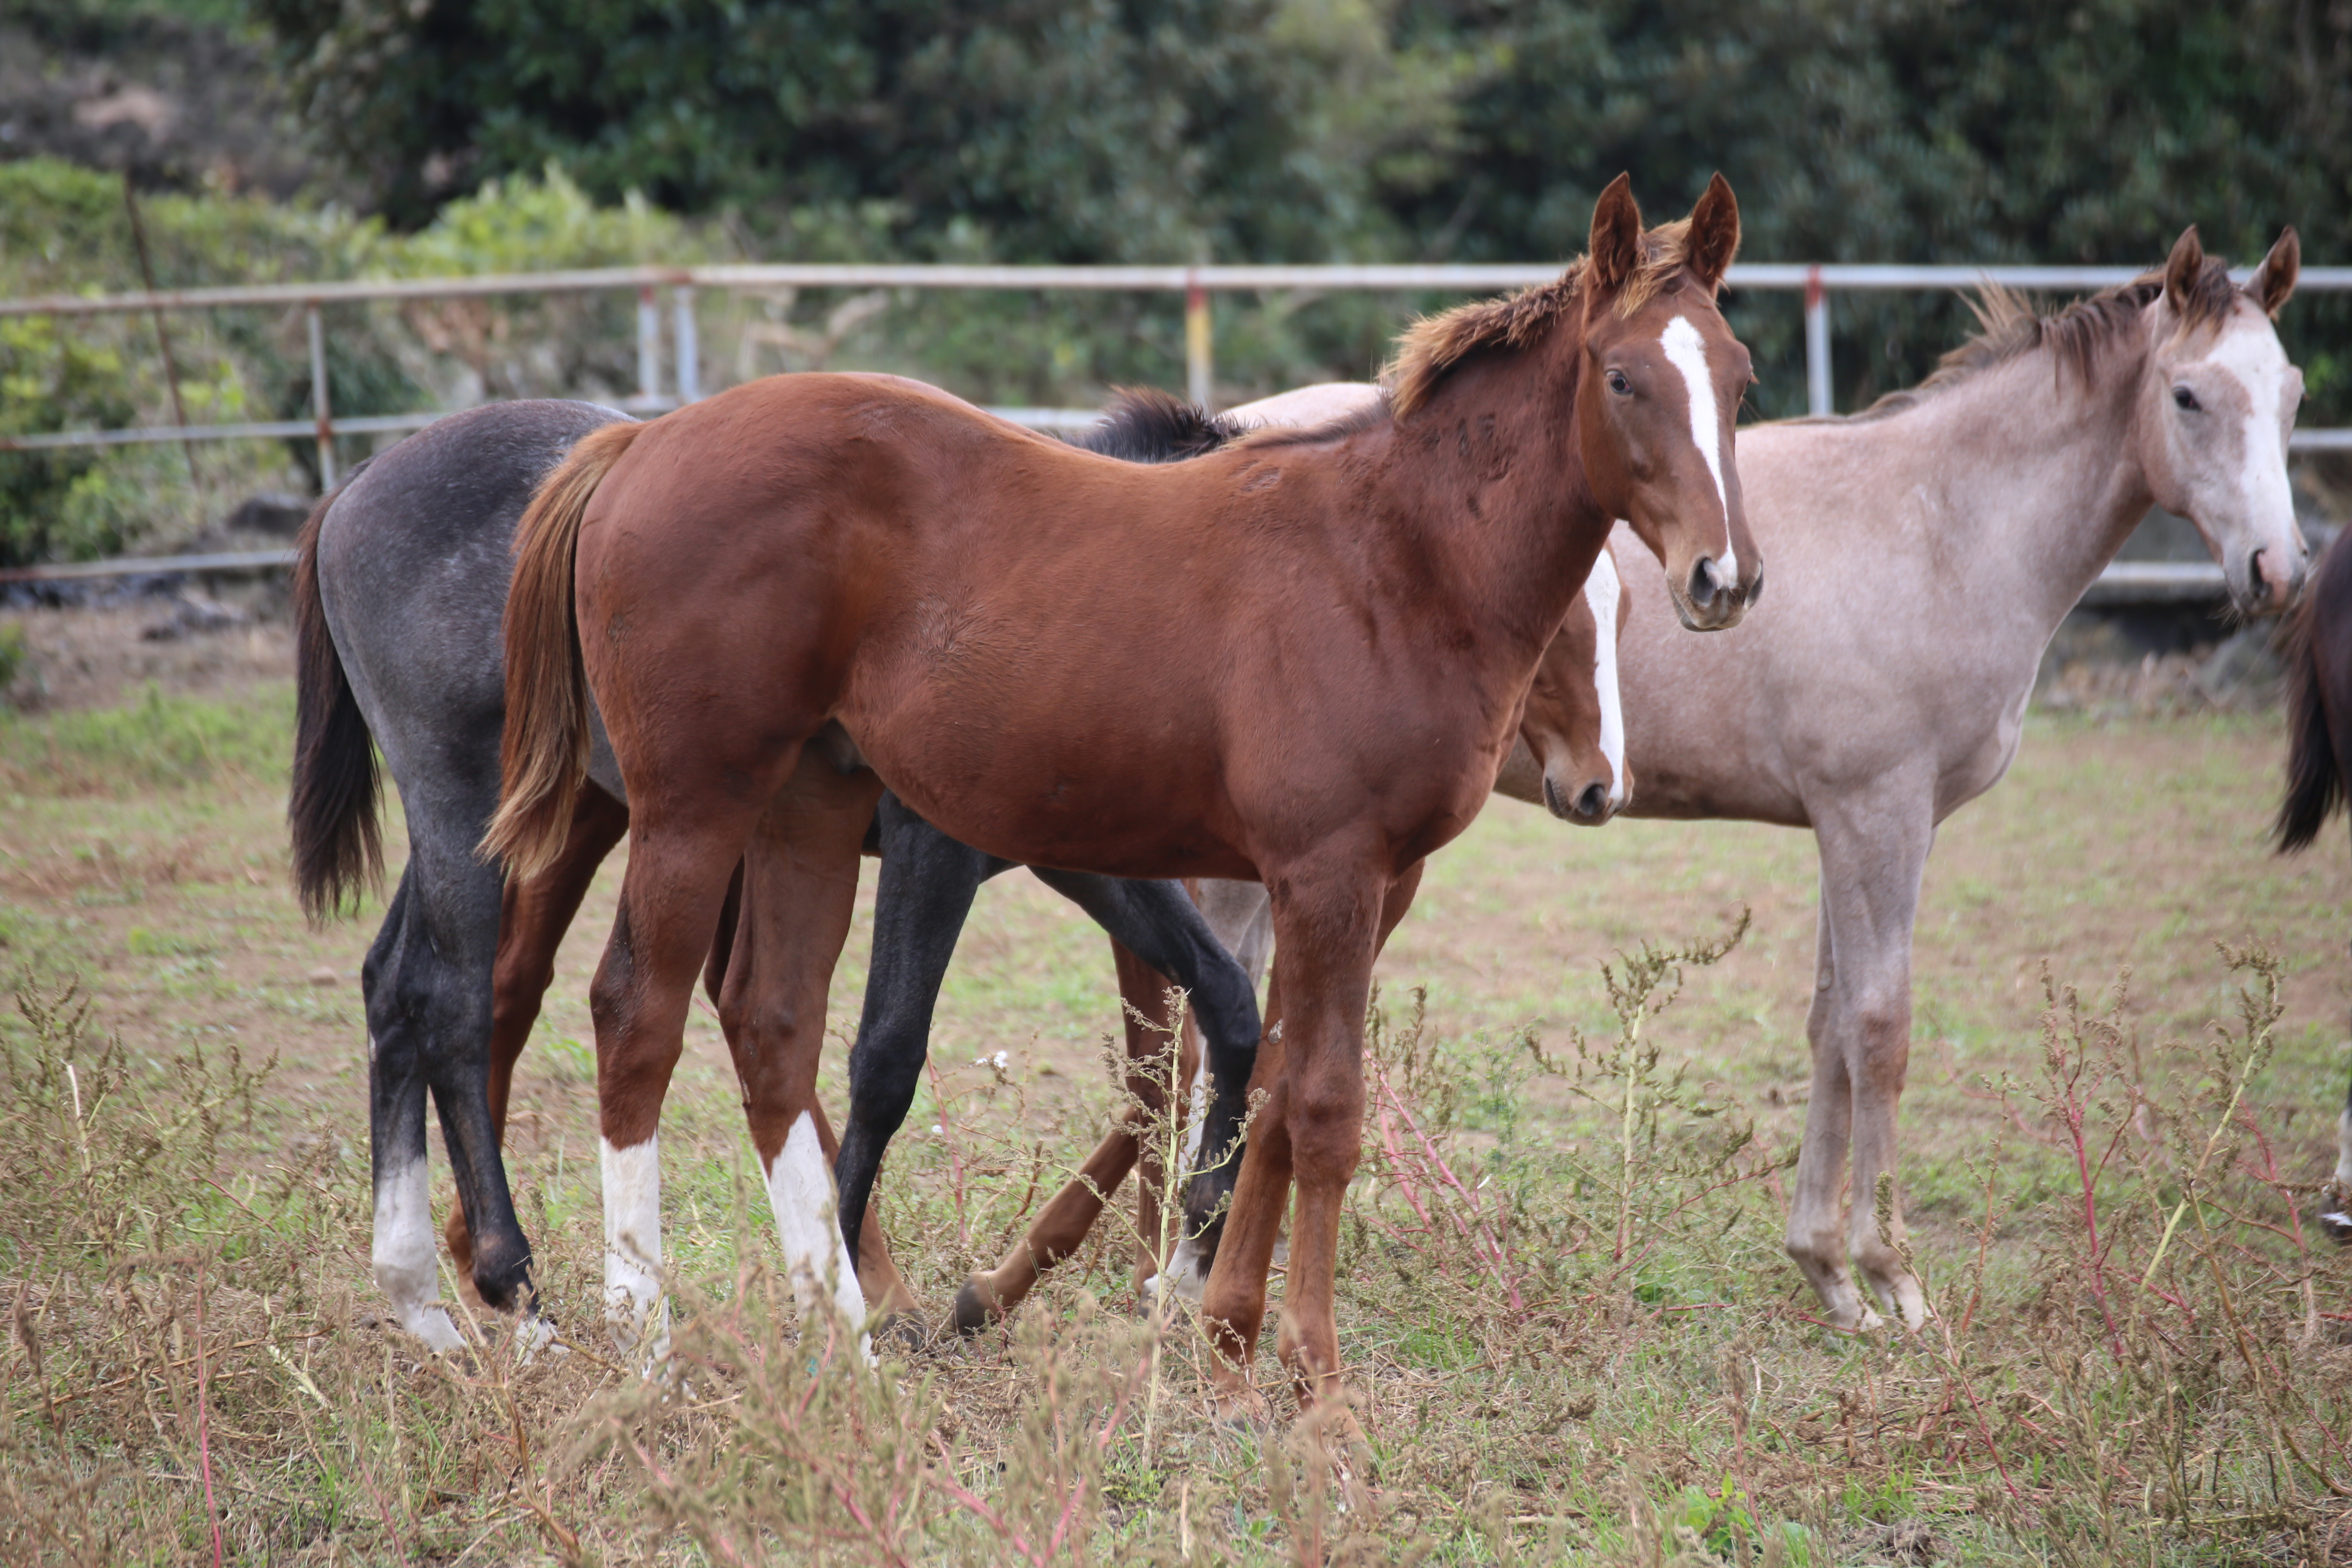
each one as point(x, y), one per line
point(532, 919)
point(799, 887)
point(1325, 1106)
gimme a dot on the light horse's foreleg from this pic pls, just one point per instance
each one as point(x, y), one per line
point(2337, 1220)
point(797, 893)
point(1873, 854)
point(532, 919)
point(1328, 932)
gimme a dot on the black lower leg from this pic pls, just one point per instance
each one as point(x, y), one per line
point(920, 904)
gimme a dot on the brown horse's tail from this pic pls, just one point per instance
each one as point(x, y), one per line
point(331, 807)
point(2315, 788)
point(543, 758)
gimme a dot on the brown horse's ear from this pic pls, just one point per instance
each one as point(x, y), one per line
point(2181, 270)
point(1616, 235)
point(2273, 282)
point(1713, 233)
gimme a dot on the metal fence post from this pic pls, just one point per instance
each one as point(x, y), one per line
point(1199, 369)
point(1818, 390)
point(320, 410)
point(648, 346)
point(690, 347)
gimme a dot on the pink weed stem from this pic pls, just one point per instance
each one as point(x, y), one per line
point(204, 1422)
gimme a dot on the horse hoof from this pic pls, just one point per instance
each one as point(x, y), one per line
point(2338, 1226)
point(971, 1309)
point(900, 1331)
point(1239, 1407)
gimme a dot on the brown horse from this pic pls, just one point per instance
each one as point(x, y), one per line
point(1299, 661)
point(1570, 757)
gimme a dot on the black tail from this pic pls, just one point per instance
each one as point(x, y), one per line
point(332, 808)
point(2314, 788)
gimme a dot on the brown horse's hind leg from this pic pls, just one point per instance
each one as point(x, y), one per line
point(1064, 1223)
point(799, 888)
point(532, 924)
point(679, 866)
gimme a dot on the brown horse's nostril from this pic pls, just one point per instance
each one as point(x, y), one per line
point(1704, 583)
point(2256, 591)
point(1755, 588)
point(1591, 803)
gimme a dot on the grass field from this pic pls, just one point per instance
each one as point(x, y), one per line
point(1572, 1329)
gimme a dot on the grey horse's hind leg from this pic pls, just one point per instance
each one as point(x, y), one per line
point(428, 990)
point(1873, 853)
point(405, 1262)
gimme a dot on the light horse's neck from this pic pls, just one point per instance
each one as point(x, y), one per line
point(2037, 466)
point(1485, 485)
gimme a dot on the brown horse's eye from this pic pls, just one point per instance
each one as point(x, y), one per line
point(2185, 400)
point(1619, 385)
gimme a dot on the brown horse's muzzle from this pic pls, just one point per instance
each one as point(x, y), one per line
point(1712, 599)
point(1588, 806)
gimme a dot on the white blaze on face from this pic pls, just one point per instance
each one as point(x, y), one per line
point(808, 1222)
point(1601, 593)
point(2250, 353)
point(404, 1256)
point(632, 1247)
point(1686, 351)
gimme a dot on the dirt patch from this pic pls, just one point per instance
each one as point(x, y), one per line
point(189, 643)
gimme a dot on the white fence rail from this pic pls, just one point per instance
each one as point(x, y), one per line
point(1817, 283)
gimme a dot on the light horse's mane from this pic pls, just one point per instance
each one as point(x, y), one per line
point(1435, 346)
point(2078, 337)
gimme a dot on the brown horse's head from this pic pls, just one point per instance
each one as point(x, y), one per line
point(1574, 723)
point(1658, 393)
point(2216, 401)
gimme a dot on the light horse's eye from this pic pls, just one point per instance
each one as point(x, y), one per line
point(1619, 385)
point(2185, 400)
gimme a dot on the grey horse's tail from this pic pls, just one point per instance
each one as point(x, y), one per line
point(332, 808)
point(2314, 786)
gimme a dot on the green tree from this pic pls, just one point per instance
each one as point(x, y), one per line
point(1102, 130)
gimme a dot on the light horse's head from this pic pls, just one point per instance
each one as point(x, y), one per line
point(2216, 402)
point(1574, 722)
point(1658, 394)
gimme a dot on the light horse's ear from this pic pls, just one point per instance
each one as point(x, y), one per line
point(1714, 237)
point(1616, 243)
point(2273, 282)
point(2181, 270)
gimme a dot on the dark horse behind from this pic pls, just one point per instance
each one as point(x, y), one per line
point(2319, 760)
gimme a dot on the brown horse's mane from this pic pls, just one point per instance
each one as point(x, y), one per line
point(2079, 336)
point(1433, 347)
